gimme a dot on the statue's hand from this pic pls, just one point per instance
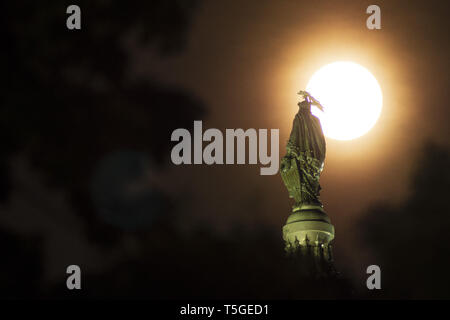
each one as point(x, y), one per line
point(285, 164)
point(291, 151)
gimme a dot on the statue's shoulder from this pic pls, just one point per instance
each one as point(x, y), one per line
point(314, 118)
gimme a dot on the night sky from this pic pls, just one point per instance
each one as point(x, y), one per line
point(86, 175)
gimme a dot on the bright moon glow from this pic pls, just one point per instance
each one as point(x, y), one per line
point(351, 97)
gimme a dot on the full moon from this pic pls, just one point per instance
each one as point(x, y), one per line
point(351, 97)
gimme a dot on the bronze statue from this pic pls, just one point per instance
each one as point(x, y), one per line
point(305, 155)
point(308, 232)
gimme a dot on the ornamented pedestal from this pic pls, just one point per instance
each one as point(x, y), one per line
point(308, 235)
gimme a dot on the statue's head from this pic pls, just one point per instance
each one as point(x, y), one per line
point(309, 100)
point(304, 94)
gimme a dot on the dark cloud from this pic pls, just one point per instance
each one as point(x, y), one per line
point(409, 240)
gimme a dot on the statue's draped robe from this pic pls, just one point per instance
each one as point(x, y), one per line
point(307, 136)
point(306, 150)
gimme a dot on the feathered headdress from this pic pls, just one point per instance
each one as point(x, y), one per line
point(308, 97)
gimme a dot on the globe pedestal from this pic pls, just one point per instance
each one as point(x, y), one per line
point(308, 235)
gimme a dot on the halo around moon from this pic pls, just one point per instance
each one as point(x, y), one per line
point(351, 97)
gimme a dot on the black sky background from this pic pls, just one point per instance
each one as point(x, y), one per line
point(86, 177)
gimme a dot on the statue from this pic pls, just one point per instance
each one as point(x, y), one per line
point(308, 232)
point(303, 163)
